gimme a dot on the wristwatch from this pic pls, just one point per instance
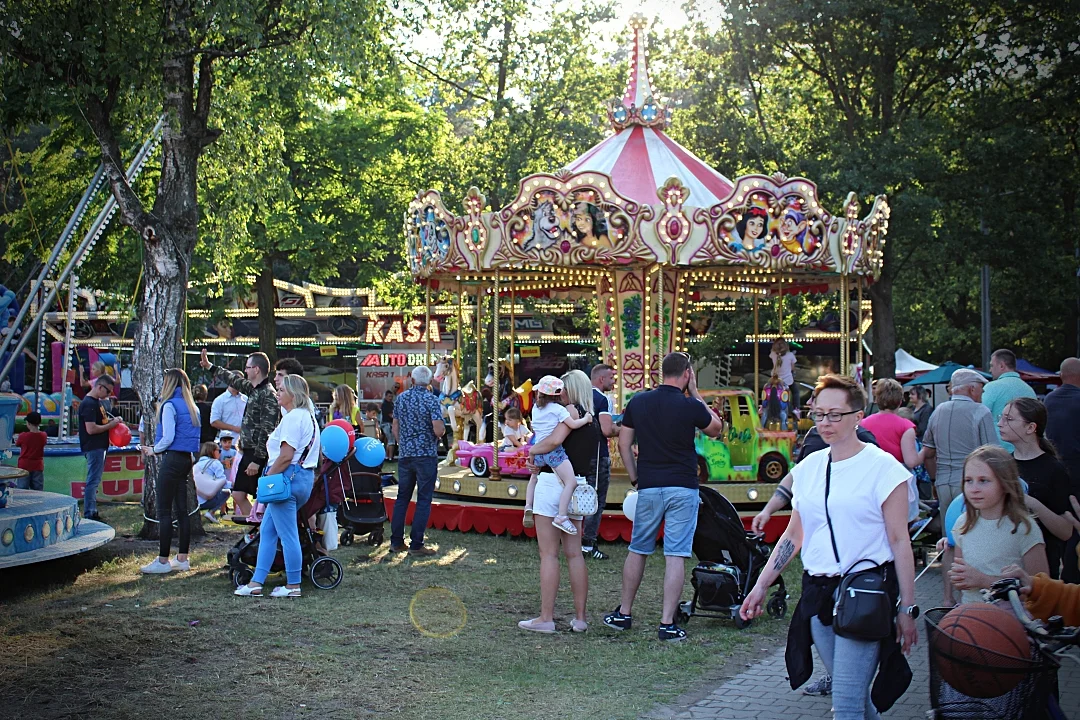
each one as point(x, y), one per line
point(912, 610)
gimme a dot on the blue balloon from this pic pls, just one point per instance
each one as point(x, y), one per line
point(369, 452)
point(956, 509)
point(335, 443)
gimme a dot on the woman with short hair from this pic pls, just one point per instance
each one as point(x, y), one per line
point(849, 513)
point(293, 449)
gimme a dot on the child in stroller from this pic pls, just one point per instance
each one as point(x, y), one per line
point(361, 510)
point(729, 562)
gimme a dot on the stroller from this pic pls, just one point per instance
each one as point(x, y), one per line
point(361, 510)
point(326, 572)
point(729, 562)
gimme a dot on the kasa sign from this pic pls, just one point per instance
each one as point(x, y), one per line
point(382, 332)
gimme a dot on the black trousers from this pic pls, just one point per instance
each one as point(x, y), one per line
point(172, 486)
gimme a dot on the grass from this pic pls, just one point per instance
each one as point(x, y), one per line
point(89, 637)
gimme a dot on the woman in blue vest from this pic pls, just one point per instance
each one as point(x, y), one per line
point(178, 429)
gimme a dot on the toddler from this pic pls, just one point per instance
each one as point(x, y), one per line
point(210, 481)
point(228, 451)
point(995, 530)
point(547, 415)
point(31, 444)
point(514, 431)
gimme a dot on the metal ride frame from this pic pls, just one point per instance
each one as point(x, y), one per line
point(609, 230)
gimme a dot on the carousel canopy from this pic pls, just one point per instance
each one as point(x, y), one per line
point(640, 157)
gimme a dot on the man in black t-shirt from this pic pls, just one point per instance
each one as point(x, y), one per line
point(603, 381)
point(664, 422)
point(1063, 429)
point(94, 429)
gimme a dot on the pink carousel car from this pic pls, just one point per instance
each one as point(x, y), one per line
point(478, 459)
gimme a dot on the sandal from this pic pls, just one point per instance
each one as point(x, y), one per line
point(579, 626)
point(249, 591)
point(282, 591)
point(565, 525)
point(535, 625)
point(528, 521)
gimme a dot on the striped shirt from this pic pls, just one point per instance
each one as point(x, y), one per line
point(957, 427)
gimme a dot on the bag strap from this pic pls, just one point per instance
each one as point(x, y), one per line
point(828, 519)
point(314, 429)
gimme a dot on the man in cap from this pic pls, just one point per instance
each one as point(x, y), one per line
point(957, 426)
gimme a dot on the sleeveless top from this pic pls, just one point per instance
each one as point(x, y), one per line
point(581, 445)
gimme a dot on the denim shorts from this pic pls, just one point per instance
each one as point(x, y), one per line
point(552, 459)
point(677, 509)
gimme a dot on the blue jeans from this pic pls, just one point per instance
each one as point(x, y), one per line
point(280, 524)
point(34, 481)
point(217, 501)
point(852, 664)
point(95, 465)
point(677, 509)
point(418, 473)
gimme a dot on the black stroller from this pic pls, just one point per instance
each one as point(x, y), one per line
point(729, 562)
point(362, 510)
point(326, 572)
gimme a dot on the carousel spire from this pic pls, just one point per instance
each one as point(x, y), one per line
point(638, 105)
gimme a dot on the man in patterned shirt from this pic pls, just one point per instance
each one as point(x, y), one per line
point(261, 416)
point(417, 426)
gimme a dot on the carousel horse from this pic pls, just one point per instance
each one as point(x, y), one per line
point(460, 405)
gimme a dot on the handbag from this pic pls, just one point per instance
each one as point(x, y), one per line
point(328, 521)
point(278, 487)
point(584, 501)
point(862, 609)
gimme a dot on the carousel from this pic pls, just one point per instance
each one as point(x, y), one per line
point(642, 230)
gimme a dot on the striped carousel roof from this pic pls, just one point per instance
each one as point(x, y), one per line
point(640, 157)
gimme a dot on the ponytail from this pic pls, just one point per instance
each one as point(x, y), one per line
point(1033, 411)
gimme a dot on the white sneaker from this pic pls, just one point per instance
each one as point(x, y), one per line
point(210, 517)
point(282, 591)
point(157, 568)
point(177, 565)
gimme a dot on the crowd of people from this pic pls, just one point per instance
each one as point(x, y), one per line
point(1010, 460)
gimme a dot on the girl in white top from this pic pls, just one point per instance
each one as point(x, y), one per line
point(546, 416)
point(783, 360)
point(293, 449)
point(995, 530)
point(868, 505)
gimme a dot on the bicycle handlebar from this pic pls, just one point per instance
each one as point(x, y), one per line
point(1054, 636)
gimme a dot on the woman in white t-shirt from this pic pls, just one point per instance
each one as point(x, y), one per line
point(783, 366)
point(293, 449)
point(861, 491)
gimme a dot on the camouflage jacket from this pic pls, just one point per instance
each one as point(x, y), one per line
point(261, 415)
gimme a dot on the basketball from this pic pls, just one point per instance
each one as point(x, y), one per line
point(982, 650)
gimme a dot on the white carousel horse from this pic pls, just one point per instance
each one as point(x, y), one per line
point(460, 405)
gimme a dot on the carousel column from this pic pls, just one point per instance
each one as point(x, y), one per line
point(479, 358)
point(513, 338)
point(427, 324)
point(845, 322)
point(757, 354)
point(496, 395)
point(69, 341)
point(629, 290)
point(608, 330)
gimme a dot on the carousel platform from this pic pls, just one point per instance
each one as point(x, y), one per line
point(39, 526)
point(459, 505)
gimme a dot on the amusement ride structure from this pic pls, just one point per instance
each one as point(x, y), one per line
point(643, 229)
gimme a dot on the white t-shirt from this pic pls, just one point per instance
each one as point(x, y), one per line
point(295, 429)
point(784, 367)
point(857, 490)
point(546, 419)
point(520, 432)
point(991, 545)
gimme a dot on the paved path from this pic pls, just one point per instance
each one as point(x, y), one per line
point(762, 692)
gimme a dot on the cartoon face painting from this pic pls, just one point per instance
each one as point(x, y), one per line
point(546, 228)
point(793, 231)
point(752, 229)
point(589, 226)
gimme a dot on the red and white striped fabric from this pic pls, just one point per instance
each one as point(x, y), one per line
point(640, 160)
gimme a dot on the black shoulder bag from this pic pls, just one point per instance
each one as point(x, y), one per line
point(862, 609)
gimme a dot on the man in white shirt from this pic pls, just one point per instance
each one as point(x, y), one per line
point(227, 411)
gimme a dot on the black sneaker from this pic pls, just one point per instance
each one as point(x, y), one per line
point(595, 553)
point(671, 633)
point(96, 517)
point(617, 621)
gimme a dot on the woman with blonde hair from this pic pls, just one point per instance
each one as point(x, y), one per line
point(293, 450)
point(177, 439)
point(344, 406)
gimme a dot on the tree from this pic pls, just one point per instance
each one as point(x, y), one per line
point(117, 64)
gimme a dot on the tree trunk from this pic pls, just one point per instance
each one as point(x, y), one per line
point(267, 298)
point(884, 328)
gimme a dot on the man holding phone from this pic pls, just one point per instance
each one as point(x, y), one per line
point(663, 421)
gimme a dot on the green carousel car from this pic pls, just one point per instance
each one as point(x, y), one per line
point(746, 452)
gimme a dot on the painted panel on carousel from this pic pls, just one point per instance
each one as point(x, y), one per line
point(429, 235)
point(773, 223)
point(860, 245)
point(568, 220)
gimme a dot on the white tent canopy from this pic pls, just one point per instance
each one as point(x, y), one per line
point(906, 363)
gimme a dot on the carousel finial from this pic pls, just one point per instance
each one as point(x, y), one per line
point(638, 105)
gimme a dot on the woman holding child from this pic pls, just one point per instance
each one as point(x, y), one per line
point(580, 447)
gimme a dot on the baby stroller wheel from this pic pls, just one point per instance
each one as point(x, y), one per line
point(777, 606)
point(740, 623)
point(346, 538)
point(241, 576)
point(375, 538)
point(326, 573)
